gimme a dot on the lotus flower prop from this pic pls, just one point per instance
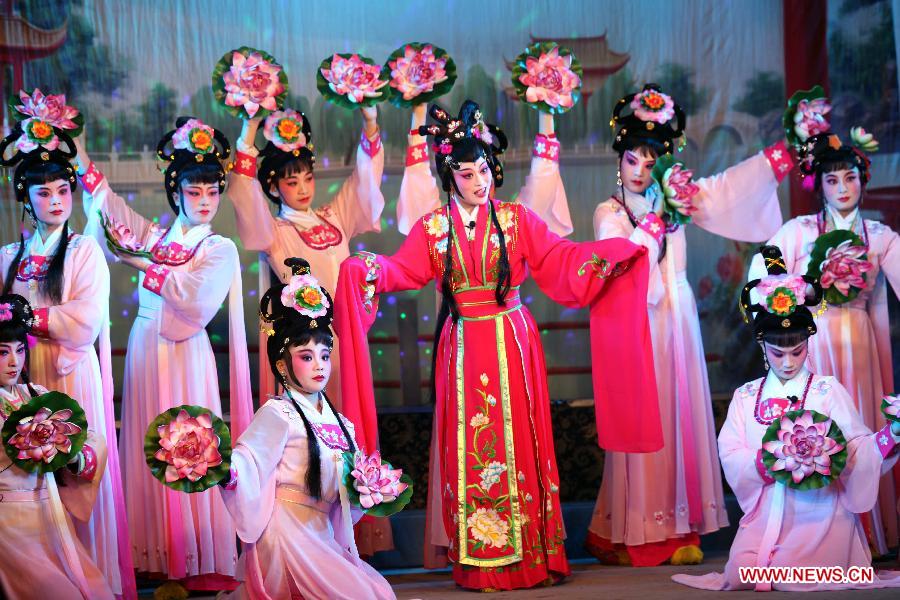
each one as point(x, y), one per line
point(120, 239)
point(304, 294)
point(45, 433)
point(351, 81)
point(805, 115)
point(863, 140)
point(839, 260)
point(547, 77)
point(188, 448)
point(804, 450)
point(51, 109)
point(677, 187)
point(890, 407)
point(375, 486)
point(418, 73)
point(249, 83)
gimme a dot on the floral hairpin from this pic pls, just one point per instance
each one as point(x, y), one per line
point(653, 105)
point(194, 136)
point(284, 128)
point(304, 294)
point(6, 313)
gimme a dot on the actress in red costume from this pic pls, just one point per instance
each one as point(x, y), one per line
point(498, 492)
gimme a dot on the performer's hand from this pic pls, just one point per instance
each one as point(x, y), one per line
point(545, 123)
point(137, 262)
point(895, 428)
point(370, 118)
point(82, 160)
point(248, 131)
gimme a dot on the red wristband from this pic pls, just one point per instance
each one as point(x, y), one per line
point(416, 154)
point(91, 178)
point(154, 278)
point(546, 147)
point(90, 463)
point(370, 147)
point(40, 326)
point(886, 444)
point(761, 469)
point(652, 224)
point(245, 164)
point(780, 160)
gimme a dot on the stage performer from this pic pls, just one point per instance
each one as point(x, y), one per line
point(181, 286)
point(652, 508)
point(498, 492)
point(285, 491)
point(804, 518)
point(65, 279)
point(854, 343)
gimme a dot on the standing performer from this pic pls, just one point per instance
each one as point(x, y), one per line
point(498, 481)
point(854, 343)
point(809, 517)
point(653, 507)
point(42, 557)
point(285, 492)
point(65, 279)
point(284, 175)
point(170, 360)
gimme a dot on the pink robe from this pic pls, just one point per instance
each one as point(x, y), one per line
point(170, 362)
point(853, 343)
point(677, 492)
point(355, 209)
point(784, 527)
point(294, 543)
point(40, 555)
point(497, 484)
point(65, 360)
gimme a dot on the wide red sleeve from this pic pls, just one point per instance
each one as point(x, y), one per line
point(610, 278)
point(361, 278)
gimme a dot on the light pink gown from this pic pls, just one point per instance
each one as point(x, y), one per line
point(853, 343)
point(784, 527)
point(321, 236)
point(40, 555)
point(293, 543)
point(170, 362)
point(649, 498)
point(65, 360)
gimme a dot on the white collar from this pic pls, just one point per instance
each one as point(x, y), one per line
point(190, 239)
point(39, 247)
point(300, 217)
point(843, 222)
point(640, 204)
point(309, 407)
point(467, 215)
point(773, 388)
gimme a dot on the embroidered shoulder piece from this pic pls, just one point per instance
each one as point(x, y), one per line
point(875, 226)
point(11, 248)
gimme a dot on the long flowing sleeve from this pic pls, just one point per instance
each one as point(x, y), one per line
point(544, 192)
point(356, 304)
point(419, 192)
point(359, 202)
point(193, 297)
point(739, 458)
point(99, 196)
point(254, 220)
point(80, 491)
point(253, 461)
point(741, 203)
point(610, 277)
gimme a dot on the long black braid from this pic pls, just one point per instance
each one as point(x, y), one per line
point(52, 285)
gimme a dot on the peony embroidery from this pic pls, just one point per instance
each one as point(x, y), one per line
point(488, 527)
point(490, 475)
point(44, 435)
point(437, 225)
point(653, 105)
point(189, 446)
point(303, 294)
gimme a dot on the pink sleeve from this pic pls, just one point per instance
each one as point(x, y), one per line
point(890, 260)
point(76, 322)
point(610, 277)
point(419, 192)
point(193, 297)
point(739, 456)
point(99, 196)
point(741, 203)
point(255, 223)
point(80, 490)
point(544, 192)
point(362, 276)
point(359, 203)
point(251, 496)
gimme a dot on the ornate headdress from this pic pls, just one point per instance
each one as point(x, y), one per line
point(16, 315)
point(41, 136)
point(294, 309)
point(192, 142)
point(782, 305)
point(468, 126)
point(289, 138)
point(655, 118)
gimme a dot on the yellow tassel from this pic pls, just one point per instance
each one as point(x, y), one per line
point(687, 555)
point(170, 590)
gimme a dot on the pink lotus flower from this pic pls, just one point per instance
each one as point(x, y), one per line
point(651, 105)
point(50, 108)
point(42, 437)
point(376, 481)
point(189, 445)
point(863, 140)
point(809, 120)
point(37, 132)
point(417, 71)
point(354, 78)
point(679, 189)
point(6, 313)
point(794, 283)
point(550, 78)
point(892, 407)
point(252, 82)
point(124, 236)
point(803, 447)
point(844, 267)
point(284, 128)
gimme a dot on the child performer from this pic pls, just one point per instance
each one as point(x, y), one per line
point(783, 525)
point(286, 492)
